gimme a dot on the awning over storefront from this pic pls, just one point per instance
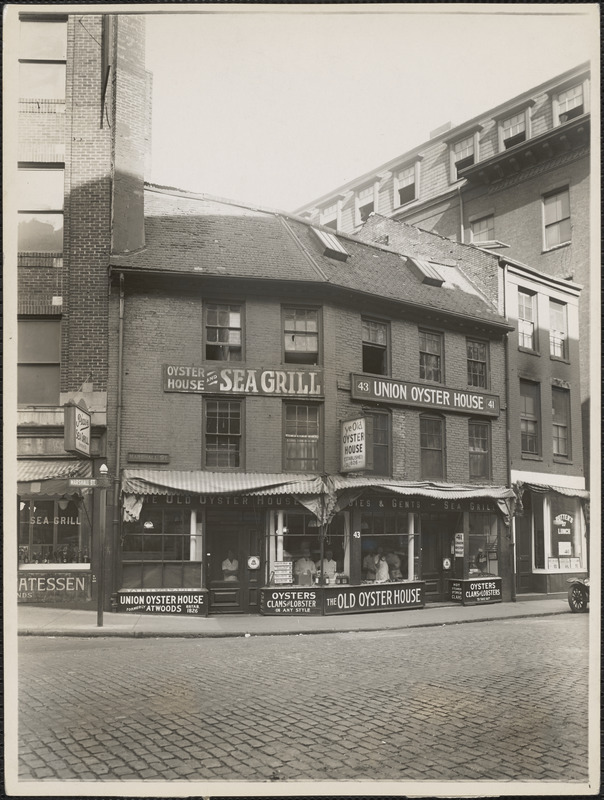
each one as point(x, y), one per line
point(136, 483)
point(545, 488)
point(50, 478)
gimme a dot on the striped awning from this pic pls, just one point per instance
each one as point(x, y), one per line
point(442, 491)
point(50, 478)
point(164, 482)
point(544, 488)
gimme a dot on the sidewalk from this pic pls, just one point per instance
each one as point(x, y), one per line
point(41, 621)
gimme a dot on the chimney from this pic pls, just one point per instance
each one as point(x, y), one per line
point(443, 129)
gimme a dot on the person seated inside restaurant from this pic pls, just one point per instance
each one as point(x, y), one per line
point(369, 566)
point(328, 567)
point(382, 573)
point(394, 564)
point(305, 569)
point(230, 567)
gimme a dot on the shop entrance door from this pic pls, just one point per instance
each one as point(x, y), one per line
point(437, 536)
point(237, 593)
point(524, 573)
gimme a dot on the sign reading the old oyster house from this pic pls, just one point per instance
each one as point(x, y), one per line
point(209, 379)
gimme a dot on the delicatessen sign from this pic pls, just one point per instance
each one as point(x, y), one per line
point(406, 393)
point(163, 601)
point(209, 379)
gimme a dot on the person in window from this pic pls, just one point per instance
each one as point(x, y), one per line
point(305, 569)
point(480, 560)
point(382, 573)
point(230, 568)
point(369, 566)
point(328, 567)
point(394, 564)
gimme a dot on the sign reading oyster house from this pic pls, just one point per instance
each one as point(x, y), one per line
point(353, 453)
point(209, 379)
point(406, 393)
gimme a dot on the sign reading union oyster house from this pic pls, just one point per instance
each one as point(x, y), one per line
point(406, 393)
point(209, 379)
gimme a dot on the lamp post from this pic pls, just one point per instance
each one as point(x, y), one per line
point(103, 483)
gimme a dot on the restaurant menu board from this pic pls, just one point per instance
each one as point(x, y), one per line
point(283, 573)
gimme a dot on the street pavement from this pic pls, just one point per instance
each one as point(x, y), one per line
point(494, 701)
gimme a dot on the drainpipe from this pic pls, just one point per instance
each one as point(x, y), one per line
point(461, 229)
point(118, 434)
point(508, 430)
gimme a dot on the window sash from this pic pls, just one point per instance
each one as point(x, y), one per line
point(560, 421)
point(223, 331)
point(223, 433)
point(483, 230)
point(431, 448)
point(478, 435)
point(477, 363)
point(300, 332)
point(529, 418)
point(430, 356)
point(302, 428)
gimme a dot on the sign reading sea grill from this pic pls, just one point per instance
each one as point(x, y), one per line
point(209, 379)
point(406, 393)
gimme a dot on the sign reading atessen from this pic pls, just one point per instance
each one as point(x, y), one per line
point(209, 379)
point(406, 393)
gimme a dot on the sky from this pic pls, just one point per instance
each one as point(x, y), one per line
point(276, 105)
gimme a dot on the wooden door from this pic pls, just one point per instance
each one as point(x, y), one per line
point(436, 538)
point(524, 558)
point(238, 593)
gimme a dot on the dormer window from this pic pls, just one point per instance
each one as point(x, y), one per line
point(365, 204)
point(463, 154)
point(331, 245)
point(570, 104)
point(329, 216)
point(426, 272)
point(406, 185)
point(513, 130)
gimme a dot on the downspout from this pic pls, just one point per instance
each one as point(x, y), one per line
point(508, 431)
point(118, 434)
point(461, 228)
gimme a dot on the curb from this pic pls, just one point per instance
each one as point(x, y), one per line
point(102, 632)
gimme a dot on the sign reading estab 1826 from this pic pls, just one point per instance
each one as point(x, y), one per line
point(406, 393)
point(209, 379)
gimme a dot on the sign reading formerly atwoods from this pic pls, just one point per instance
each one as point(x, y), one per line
point(407, 393)
point(209, 379)
point(353, 454)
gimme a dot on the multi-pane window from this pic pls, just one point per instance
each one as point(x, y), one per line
point(301, 335)
point(529, 417)
point(483, 230)
point(560, 421)
point(38, 362)
point(478, 437)
point(40, 203)
point(558, 329)
point(302, 429)
point(375, 347)
point(556, 218)
point(223, 332)
point(514, 130)
point(463, 155)
point(329, 216)
point(477, 356)
point(365, 204)
point(431, 432)
point(223, 430)
point(570, 103)
point(527, 317)
point(43, 52)
point(50, 532)
point(378, 435)
point(430, 356)
point(406, 185)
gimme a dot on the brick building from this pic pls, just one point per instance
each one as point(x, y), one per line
point(277, 392)
point(514, 179)
point(83, 99)
point(543, 398)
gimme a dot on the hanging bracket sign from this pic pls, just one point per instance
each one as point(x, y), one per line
point(77, 428)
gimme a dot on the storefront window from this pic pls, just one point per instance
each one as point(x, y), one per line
point(295, 549)
point(389, 547)
point(565, 533)
point(50, 532)
point(483, 545)
point(160, 551)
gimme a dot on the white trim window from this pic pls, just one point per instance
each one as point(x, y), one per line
point(561, 422)
point(463, 154)
point(406, 185)
point(569, 104)
point(558, 329)
point(556, 219)
point(558, 534)
point(513, 130)
point(365, 204)
point(527, 320)
point(483, 229)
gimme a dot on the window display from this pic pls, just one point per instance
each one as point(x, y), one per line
point(483, 547)
point(390, 547)
point(50, 532)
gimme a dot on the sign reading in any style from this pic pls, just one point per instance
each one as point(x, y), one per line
point(289, 601)
point(76, 429)
point(353, 453)
point(406, 393)
point(377, 597)
point(164, 601)
point(476, 590)
point(209, 379)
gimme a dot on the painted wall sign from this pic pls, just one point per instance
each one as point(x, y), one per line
point(209, 379)
point(290, 601)
point(427, 504)
point(406, 393)
point(476, 590)
point(164, 601)
point(353, 444)
point(383, 597)
point(52, 586)
point(76, 429)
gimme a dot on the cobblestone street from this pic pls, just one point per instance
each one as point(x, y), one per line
point(491, 701)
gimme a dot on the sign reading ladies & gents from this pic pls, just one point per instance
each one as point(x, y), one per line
point(209, 379)
point(406, 393)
